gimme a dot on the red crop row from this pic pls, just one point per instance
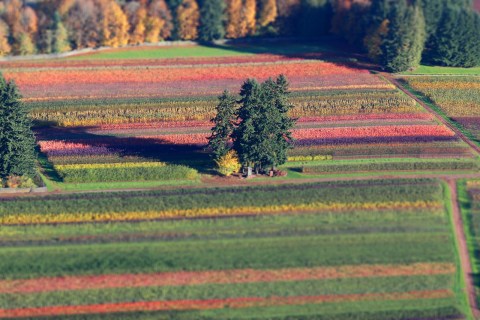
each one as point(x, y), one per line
point(234, 303)
point(183, 278)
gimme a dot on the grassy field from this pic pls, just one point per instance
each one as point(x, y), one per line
point(435, 70)
point(203, 51)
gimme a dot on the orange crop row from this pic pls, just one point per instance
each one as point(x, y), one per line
point(183, 278)
point(149, 75)
point(234, 303)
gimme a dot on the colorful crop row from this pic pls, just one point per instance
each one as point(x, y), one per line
point(129, 171)
point(393, 258)
point(457, 97)
point(362, 103)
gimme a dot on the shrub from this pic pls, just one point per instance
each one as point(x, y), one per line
point(19, 182)
point(229, 163)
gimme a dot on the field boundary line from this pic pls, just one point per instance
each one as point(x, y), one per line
point(464, 253)
point(444, 121)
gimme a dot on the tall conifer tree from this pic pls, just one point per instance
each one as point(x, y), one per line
point(212, 17)
point(403, 44)
point(17, 142)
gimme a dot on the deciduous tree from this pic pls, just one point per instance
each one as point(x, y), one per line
point(234, 21)
point(4, 45)
point(267, 12)
point(114, 24)
point(188, 19)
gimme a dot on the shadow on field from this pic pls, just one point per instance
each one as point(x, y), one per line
point(149, 149)
point(331, 50)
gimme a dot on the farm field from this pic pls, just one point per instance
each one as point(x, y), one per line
point(456, 97)
point(380, 249)
point(144, 116)
point(180, 242)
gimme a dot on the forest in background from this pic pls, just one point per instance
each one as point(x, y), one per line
point(396, 34)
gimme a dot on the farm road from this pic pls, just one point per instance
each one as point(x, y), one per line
point(463, 249)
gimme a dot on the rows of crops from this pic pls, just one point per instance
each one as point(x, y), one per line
point(457, 97)
point(344, 250)
point(93, 115)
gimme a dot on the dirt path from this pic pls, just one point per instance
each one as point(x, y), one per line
point(395, 82)
point(463, 249)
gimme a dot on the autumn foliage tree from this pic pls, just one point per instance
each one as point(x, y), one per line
point(4, 45)
point(233, 26)
point(188, 19)
point(159, 24)
point(114, 24)
point(267, 12)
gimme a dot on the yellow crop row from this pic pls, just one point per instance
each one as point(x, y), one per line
point(211, 212)
point(111, 165)
point(310, 158)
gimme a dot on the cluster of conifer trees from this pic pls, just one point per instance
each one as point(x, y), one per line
point(396, 33)
point(257, 128)
point(399, 34)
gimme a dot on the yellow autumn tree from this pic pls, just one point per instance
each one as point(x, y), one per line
point(268, 12)
point(114, 24)
point(249, 14)
point(4, 46)
point(188, 17)
point(159, 23)
point(229, 163)
point(136, 13)
point(233, 28)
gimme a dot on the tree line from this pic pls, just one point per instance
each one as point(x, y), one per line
point(395, 33)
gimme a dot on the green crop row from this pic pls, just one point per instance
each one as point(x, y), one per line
point(81, 174)
point(338, 192)
point(425, 220)
point(393, 166)
point(257, 253)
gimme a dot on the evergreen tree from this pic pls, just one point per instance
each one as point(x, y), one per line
point(17, 142)
point(262, 137)
point(212, 18)
point(224, 120)
point(315, 18)
point(457, 41)
point(275, 124)
point(403, 44)
point(60, 36)
point(245, 137)
point(434, 10)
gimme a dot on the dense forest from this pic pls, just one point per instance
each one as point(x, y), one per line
point(398, 34)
